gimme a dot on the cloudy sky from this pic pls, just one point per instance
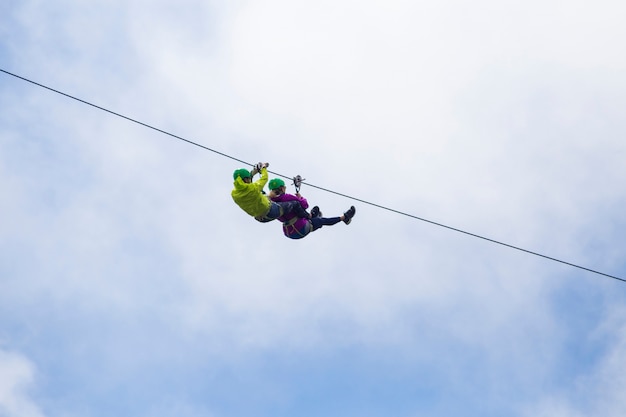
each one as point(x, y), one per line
point(132, 285)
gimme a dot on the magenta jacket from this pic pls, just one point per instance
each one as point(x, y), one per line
point(300, 223)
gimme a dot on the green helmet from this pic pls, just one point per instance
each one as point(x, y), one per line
point(276, 183)
point(243, 173)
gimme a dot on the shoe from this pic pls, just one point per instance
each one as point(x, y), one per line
point(315, 212)
point(348, 215)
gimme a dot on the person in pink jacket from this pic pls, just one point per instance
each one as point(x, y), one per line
point(295, 227)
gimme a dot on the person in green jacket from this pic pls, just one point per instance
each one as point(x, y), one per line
point(249, 196)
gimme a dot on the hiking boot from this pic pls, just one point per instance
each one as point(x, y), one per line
point(315, 212)
point(348, 215)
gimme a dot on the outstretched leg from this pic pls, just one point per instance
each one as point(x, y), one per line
point(319, 221)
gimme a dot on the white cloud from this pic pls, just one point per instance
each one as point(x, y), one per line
point(598, 392)
point(16, 380)
point(493, 118)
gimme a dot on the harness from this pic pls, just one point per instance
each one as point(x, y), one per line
point(289, 226)
point(292, 232)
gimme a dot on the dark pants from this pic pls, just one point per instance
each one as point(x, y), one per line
point(283, 208)
point(313, 224)
point(324, 221)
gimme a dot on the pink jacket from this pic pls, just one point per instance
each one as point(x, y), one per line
point(288, 226)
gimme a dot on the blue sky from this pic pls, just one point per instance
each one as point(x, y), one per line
point(132, 285)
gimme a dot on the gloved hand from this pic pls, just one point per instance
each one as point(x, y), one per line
point(256, 168)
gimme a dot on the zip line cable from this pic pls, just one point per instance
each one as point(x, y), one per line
point(124, 117)
point(315, 186)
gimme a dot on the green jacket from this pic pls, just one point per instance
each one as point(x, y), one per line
point(250, 197)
